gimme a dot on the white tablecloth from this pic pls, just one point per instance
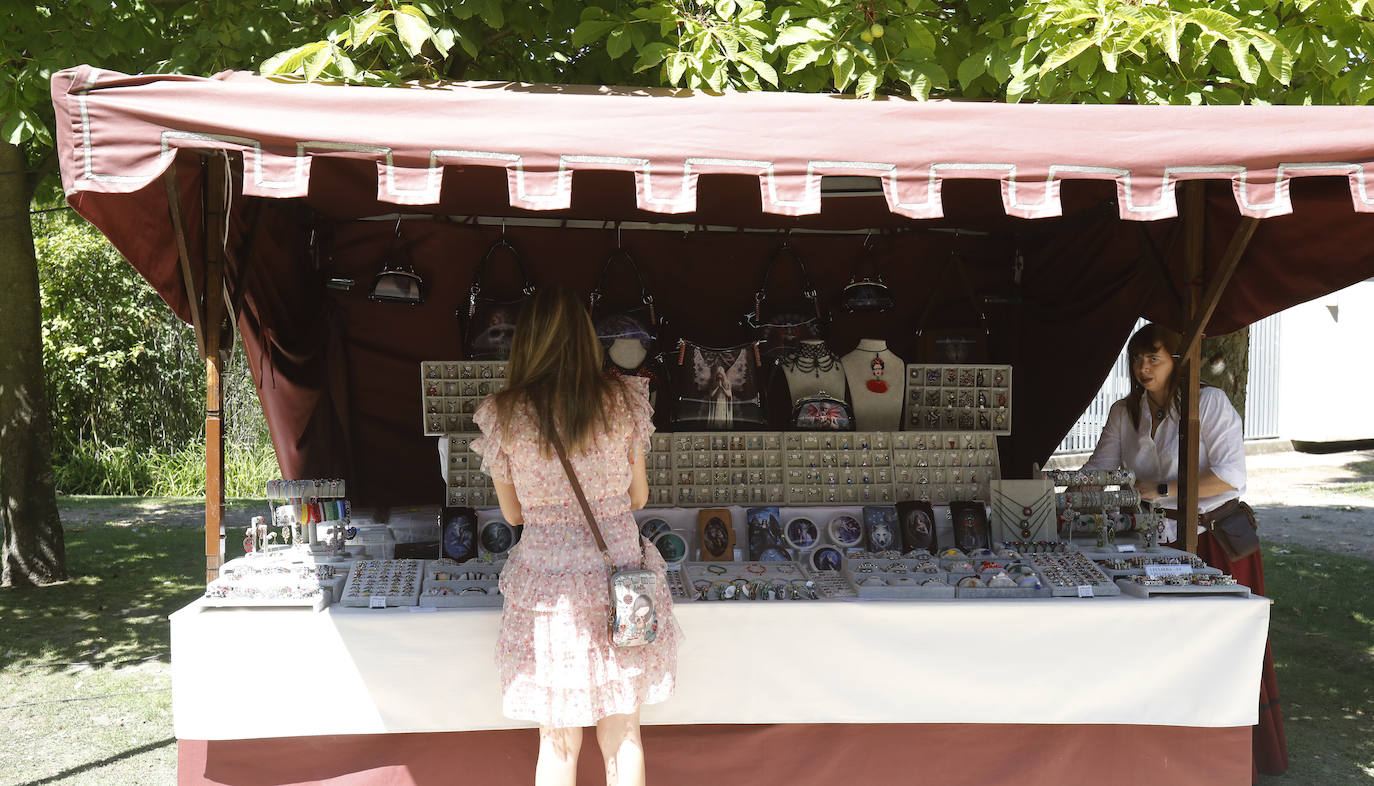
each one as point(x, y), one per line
point(239, 673)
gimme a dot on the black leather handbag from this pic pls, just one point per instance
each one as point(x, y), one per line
point(615, 322)
point(779, 324)
point(491, 321)
point(866, 291)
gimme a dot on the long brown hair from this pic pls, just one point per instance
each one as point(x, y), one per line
point(555, 369)
point(1145, 340)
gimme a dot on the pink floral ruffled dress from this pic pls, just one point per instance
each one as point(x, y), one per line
point(554, 655)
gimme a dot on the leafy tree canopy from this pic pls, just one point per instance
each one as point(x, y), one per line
point(1084, 51)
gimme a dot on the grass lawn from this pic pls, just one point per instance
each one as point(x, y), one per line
point(85, 677)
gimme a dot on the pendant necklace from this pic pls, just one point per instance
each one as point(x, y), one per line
point(877, 384)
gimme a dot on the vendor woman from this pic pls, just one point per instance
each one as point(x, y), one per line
point(1141, 434)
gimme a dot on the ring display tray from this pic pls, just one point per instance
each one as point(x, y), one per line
point(451, 390)
point(875, 577)
point(1066, 572)
point(395, 581)
point(958, 397)
point(1134, 589)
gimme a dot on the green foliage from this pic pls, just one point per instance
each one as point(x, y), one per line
point(125, 383)
point(1085, 51)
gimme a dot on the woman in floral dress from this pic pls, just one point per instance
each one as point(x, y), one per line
point(554, 655)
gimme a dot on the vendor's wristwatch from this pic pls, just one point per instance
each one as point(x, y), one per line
point(1162, 489)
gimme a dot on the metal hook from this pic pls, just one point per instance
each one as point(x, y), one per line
point(503, 226)
point(618, 244)
point(398, 225)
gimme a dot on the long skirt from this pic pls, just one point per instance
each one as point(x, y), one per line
point(1270, 747)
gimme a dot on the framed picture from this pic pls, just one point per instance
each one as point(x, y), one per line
point(458, 533)
point(716, 535)
point(765, 532)
point(916, 519)
point(970, 522)
point(881, 532)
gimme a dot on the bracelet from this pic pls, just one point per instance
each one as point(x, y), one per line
point(719, 570)
point(754, 567)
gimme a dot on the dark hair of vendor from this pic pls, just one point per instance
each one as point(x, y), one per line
point(555, 369)
point(1145, 341)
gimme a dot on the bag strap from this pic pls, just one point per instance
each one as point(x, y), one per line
point(866, 254)
point(501, 243)
point(957, 263)
point(621, 252)
point(808, 290)
point(582, 500)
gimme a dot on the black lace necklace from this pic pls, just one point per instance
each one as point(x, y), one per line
point(809, 359)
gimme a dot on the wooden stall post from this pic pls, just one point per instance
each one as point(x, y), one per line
point(216, 183)
point(1201, 298)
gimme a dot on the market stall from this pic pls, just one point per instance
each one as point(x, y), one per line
point(273, 208)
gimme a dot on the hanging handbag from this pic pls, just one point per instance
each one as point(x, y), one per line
point(718, 389)
point(866, 292)
point(632, 331)
point(778, 325)
point(633, 620)
point(953, 344)
point(639, 323)
point(491, 321)
point(822, 412)
point(1234, 528)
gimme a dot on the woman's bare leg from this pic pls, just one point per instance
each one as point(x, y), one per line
point(557, 765)
point(622, 749)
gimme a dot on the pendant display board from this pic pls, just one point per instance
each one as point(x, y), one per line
point(961, 397)
point(464, 481)
point(1023, 510)
point(451, 390)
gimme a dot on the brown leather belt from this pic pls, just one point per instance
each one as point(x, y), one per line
point(1206, 519)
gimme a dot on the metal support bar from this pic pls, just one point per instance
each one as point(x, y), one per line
point(216, 184)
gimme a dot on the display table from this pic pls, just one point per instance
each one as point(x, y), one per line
point(1119, 687)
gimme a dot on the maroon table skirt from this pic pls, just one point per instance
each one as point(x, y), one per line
point(752, 755)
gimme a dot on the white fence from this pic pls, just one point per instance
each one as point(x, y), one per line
point(1261, 397)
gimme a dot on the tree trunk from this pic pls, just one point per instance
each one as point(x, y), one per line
point(34, 550)
point(1226, 364)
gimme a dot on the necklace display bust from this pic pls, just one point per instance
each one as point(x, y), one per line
point(877, 385)
point(810, 368)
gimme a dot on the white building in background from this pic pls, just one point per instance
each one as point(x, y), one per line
point(1327, 351)
point(1310, 369)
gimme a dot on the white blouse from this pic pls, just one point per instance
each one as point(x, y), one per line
point(1221, 448)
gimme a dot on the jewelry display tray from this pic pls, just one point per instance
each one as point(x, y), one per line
point(1141, 591)
point(852, 570)
point(958, 397)
point(1103, 586)
point(491, 575)
point(386, 567)
point(451, 390)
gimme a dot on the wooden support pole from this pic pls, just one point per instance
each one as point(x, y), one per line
point(1240, 239)
point(216, 182)
point(1189, 429)
point(169, 180)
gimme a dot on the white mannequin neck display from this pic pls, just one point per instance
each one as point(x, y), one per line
point(810, 368)
point(628, 353)
point(877, 385)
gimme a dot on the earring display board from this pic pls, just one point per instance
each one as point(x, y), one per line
point(713, 468)
point(701, 469)
point(943, 466)
point(960, 397)
point(451, 390)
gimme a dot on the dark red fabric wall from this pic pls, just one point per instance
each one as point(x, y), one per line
point(338, 374)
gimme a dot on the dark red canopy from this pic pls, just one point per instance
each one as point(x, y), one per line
point(337, 372)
